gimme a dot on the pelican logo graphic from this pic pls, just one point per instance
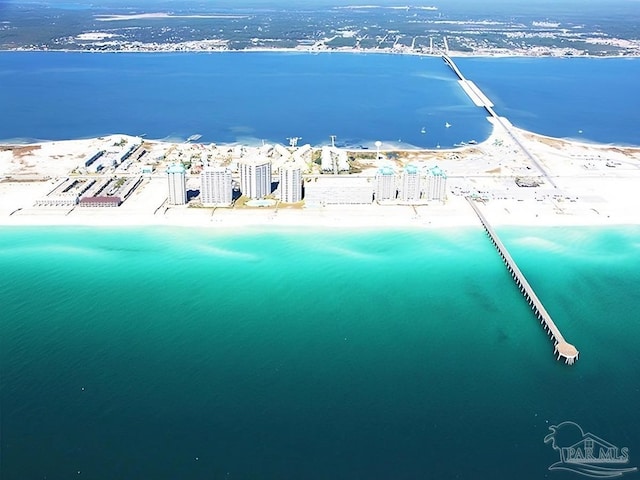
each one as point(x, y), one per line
point(585, 453)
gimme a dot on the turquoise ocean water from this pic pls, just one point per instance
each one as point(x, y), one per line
point(195, 354)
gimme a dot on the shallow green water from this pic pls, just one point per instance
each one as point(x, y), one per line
point(175, 353)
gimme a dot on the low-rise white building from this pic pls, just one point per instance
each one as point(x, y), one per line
point(338, 190)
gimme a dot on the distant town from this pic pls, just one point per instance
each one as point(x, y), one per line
point(603, 30)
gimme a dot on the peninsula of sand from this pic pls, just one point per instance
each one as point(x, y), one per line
point(517, 178)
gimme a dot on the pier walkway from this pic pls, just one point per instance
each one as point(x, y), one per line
point(562, 348)
point(481, 100)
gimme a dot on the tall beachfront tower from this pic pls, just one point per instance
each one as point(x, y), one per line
point(410, 184)
point(385, 184)
point(436, 188)
point(216, 188)
point(176, 175)
point(290, 183)
point(255, 177)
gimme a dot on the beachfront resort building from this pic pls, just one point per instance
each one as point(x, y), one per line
point(436, 184)
point(255, 177)
point(386, 184)
point(290, 183)
point(177, 178)
point(67, 193)
point(216, 187)
point(409, 190)
point(338, 190)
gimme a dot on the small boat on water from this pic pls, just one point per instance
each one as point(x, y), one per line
point(447, 124)
point(423, 130)
point(194, 138)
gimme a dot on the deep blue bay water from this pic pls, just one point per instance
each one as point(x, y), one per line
point(253, 96)
point(587, 99)
point(237, 97)
point(195, 354)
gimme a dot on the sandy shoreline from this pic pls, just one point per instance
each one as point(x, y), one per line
point(596, 185)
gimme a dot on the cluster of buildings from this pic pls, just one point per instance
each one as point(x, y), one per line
point(102, 160)
point(90, 192)
point(413, 185)
point(255, 173)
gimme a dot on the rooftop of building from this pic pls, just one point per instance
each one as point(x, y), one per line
point(101, 199)
point(254, 160)
point(386, 170)
point(341, 181)
point(437, 171)
point(293, 165)
point(216, 168)
point(176, 168)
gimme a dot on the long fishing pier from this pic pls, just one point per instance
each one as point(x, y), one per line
point(562, 348)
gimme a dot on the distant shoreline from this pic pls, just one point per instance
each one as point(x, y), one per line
point(454, 54)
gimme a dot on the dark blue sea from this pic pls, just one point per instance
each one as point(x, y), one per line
point(360, 98)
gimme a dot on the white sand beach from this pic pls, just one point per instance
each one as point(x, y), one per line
point(594, 185)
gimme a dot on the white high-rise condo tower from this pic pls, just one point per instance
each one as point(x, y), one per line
point(216, 188)
point(385, 184)
point(436, 188)
point(255, 177)
point(290, 183)
point(410, 184)
point(176, 175)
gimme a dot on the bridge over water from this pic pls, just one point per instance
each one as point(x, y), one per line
point(481, 100)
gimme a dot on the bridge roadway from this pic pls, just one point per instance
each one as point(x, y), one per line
point(562, 348)
point(481, 99)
